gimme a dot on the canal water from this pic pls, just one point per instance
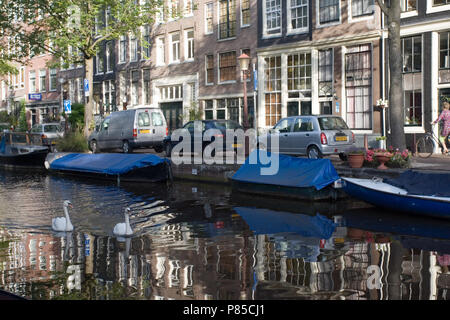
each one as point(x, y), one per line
point(203, 242)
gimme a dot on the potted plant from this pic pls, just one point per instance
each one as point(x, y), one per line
point(355, 158)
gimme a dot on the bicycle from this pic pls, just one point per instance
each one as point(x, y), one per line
point(426, 144)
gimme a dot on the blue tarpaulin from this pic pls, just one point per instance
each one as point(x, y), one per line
point(264, 221)
point(107, 163)
point(430, 184)
point(292, 171)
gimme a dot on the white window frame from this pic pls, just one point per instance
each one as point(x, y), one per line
point(206, 70)
point(218, 24)
point(186, 45)
point(365, 17)
point(133, 39)
point(408, 13)
point(266, 31)
point(43, 73)
point(22, 77)
point(172, 43)
point(185, 5)
point(218, 68)
point(241, 15)
point(32, 79)
point(122, 42)
point(52, 73)
point(206, 17)
point(134, 97)
point(291, 30)
point(97, 58)
point(108, 55)
point(327, 24)
point(433, 9)
point(160, 51)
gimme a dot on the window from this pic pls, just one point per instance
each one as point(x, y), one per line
point(412, 54)
point(157, 119)
point(440, 2)
point(133, 48)
point(100, 62)
point(175, 47)
point(303, 125)
point(220, 111)
point(273, 16)
point(134, 87)
point(188, 7)
point(109, 96)
point(42, 80)
point(233, 109)
point(272, 88)
point(209, 112)
point(326, 72)
point(285, 125)
point(209, 18)
point(227, 19)
point(173, 9)
point(326, 107)
point(299, 73)
point(227, 66)
point(444, 50)
point(109, 56)
point(245, 13)
point(32, 80)
point(408, 5)
point(22, 77)
point(146, 86)
point(298, 15)
point(145, 45)
point(143, 119)
point(160, 51)
point(189, 45)
point(209, 69)
point(362, 7)
point(122, 49)
point(358, 85)
point(329, 11)
point(413, 107)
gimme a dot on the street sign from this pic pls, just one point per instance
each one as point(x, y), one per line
point(255, 80)
point(86, 87)
point(35, 96)
point(67, 106)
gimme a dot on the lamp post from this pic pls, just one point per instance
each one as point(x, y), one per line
point(61, 83)
point(244, 61)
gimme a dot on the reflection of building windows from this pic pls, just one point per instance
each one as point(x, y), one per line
point(209, 18)
point(209, 69)
point(329, 11)
point(245, 13)
point(209, 109)
point(362, 7)
point(272, 89)
point(299, 72)
point(299, 12)
point(227, 66)
point(412, 80)
point(408, 5)
point(358, 86)
point(227, 19)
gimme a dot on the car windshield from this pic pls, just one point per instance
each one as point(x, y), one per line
point(332, 123)
point(52, 128)
point(227, 125)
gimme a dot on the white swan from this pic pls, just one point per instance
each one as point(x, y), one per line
point(63, 223)
point(124, 229)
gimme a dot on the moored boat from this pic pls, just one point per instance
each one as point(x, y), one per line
point(290, 177)
point(412, 192)
point(20, 154)
point(111, 166)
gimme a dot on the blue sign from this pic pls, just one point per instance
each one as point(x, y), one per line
point(67, 106)
point(86, 87)
point(255, 80)
point(337, 107)
point(35, 96)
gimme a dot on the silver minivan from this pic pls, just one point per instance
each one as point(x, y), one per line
point(130, 129)
point(313, 136)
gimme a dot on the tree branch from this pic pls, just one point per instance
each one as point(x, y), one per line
point(383, 7)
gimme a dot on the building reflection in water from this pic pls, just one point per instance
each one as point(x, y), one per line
point(222, 258)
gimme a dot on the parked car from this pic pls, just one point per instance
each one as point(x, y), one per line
point(130, 129)
point(314, 136)
point(221, 125)
point(49, 133)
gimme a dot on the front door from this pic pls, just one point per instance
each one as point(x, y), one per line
point(173, 112)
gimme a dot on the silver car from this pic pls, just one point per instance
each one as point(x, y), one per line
point(314, 136)
point(49, 133)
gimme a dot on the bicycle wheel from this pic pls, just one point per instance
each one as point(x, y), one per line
point(425, 147)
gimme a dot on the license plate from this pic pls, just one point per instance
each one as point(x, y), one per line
point(235, 145)
point(344, 138)
point(144, 131)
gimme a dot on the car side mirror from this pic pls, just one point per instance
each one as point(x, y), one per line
point(274, 130)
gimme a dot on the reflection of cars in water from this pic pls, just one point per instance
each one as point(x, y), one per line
point(221, 125)
point(314, 136)
point(49, 132)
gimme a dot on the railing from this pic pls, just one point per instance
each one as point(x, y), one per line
point(22, 138)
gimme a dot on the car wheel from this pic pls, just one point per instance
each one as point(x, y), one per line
point(126, 147)
point(94, 146)
point(314, 153)
point(168, 150)
point(343, 156)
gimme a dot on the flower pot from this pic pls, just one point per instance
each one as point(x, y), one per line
point(382, 159)
point(356, 160)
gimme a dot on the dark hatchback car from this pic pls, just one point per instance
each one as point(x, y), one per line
point(219, 127)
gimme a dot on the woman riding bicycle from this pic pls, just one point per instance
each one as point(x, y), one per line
point(445, 130)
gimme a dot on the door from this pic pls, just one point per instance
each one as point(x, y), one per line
point(282, 131)
point(173, 112)
point(145, 130)
point(159, 128)
point(103, 135)
point(302, 135)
